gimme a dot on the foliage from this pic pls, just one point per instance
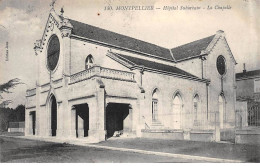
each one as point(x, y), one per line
point(11, 115)
point(5, 88)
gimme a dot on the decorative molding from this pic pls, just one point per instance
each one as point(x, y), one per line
point(82, 97)
point(121, 97)
point(65, 27)
point(45, 91)
point(31, 107)
point(31, 92)
point(58, 87)
point(49, 27)
point(101, 72)
point(45, 85)
point(57, 81)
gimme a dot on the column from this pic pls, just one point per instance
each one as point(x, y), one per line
point(80, 126)
point(30, 123)
point(72, 118)
point(128, 121)
point(27, 122)
point(217, 127)
point(138, 117)
point(59, 132)
point(97, 131)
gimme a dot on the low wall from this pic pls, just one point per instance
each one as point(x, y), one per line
point(247, 136)
point(227, 135)
point(15, 129)
point(163, 134)
point(202, 135)
point(194, 135)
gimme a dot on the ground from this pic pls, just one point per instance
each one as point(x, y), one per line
point(24, 149)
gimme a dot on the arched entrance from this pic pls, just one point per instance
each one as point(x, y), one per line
point(118, 119)
point(177, 109)
point(53, 108)
point(155, 105)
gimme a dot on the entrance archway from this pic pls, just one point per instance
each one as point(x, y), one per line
point(118, 119)
point(177, 110)
point(53, 105)
point(33, 121)
point(82, 120)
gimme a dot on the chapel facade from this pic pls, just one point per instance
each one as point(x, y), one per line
point(94, 84)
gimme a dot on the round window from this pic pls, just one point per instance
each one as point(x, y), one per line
point(53, 52)
point(221, 65)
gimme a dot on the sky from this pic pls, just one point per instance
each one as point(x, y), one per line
point(22, 22)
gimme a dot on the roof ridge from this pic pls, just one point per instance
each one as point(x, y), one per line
point(119, 33)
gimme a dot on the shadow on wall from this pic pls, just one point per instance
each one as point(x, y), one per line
point(82, 120)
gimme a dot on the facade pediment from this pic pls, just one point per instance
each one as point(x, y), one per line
point(219, 37)
point(54, 21)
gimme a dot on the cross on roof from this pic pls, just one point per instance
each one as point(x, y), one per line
point(52, 3)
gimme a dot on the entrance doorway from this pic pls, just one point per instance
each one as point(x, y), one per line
point(118, 119)
point(53, 116)
point(33, 120)
point(177, 110)
point(82, 120)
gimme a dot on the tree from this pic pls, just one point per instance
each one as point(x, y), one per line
point(5, 88)
point(20, 113)
point(8, 114)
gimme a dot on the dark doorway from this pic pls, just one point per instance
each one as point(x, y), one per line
point(53, 116)
point(82, 120)
point(115, 116)
point(33, 120)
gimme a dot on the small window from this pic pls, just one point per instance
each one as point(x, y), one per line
point(221, 65)
point(177, 111)
point(155, 105)
point(89, 62)
point(195, 107)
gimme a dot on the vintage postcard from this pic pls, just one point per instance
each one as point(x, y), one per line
point(140, 81)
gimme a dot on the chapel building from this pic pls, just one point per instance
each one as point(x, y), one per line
point(94, 84)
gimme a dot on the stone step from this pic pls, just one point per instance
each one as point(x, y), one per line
point(157, 125)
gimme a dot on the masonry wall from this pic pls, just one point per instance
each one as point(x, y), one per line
point(80, 50)
point(221, 48)
point(168, 86)
point(193, 66)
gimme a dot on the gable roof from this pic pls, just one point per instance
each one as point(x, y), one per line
point(176, 54)
point(191, 49)
point(248, 74)
point(134, 62)
point(112, 38)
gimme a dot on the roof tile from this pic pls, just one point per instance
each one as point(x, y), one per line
point(102, 35)
point(191, 49)
point(155, 65)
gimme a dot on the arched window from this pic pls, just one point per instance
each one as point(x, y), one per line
point(155, 105)
point(221, 109)
point(89, 62)
point(196, 112)
point(177, 109)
